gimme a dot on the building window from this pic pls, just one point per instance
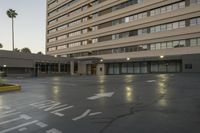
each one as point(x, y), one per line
point(188, 66)
point(168, 8)
point(194, 1)
point(94, 40)
point(195, 42)
point(195, 21)
point(52, 40)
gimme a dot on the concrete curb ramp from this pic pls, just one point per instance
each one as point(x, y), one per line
point(10, 88)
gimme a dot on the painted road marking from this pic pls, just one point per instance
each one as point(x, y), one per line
point(96, 113)
point(26, 117)
point(83, 115)
point(19, 126)
point(22, 129)
point(6, 112)
point(57, 112)
point(4, 107)
point(151, 81)
point(52, 107)
point(41, 124)
point(53, 131)
point(7, 115)
point(100, 95)
point(86, 113)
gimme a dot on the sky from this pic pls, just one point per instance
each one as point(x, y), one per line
point(30, 24)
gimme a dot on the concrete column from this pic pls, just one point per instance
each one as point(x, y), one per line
point(49, 68)
point(59, 67)
point(72, 67)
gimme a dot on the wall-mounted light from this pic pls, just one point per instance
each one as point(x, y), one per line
point(128, 59)
point(4, 65)
point(161, 56)
point(101, 60)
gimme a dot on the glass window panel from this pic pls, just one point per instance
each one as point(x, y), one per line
point(169, 8)
point(163, 45)
point(152, 13)
point(169, 45)
point(182, 5)
point(135, 17)
point(175, 6)
point(193, 22)
point(152, 29)
point(198, 41)
point(127, 19)
point(130, 67)
point(193, 42)
point(140, 16)
point(198, 20)
point(163, 10)
point(157, 11)
point(163, 27)
point(158, 28)
point(131, 18)
point(124, 67)
point(182, 24)
point(175, 44)
point(175, 25)
point(152, 46)
point(157, 45)
point(182, 43)
point(169, 26)
point(144, 14)
point(136, 68)
point(140, 32)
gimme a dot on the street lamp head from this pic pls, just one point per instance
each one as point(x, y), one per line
point(4, 65)
point(128, 59)
point(101, 60)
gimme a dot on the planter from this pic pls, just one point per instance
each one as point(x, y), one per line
point(8, 87)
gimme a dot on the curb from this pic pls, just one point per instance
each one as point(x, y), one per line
point(10, 88)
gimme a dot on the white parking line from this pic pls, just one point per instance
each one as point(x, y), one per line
point(26, 117)
point(7, 115)
point(19, 126)
point(41, 124)
point(4, 107)
point(53, 131)
point(151, 81)
point(22, 129)
point(6, 112)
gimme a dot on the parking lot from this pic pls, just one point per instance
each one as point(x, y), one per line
point(160, 103)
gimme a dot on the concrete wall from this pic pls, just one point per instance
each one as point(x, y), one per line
point(193, 60)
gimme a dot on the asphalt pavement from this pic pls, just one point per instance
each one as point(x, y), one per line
point(149, 103)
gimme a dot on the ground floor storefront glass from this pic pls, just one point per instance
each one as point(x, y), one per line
point(144, 67)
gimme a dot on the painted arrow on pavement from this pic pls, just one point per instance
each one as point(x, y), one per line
point(100, 95)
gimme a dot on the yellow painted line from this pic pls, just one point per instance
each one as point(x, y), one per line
point(10, 88)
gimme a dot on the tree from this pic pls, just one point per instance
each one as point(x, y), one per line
point(40, 53)
point(16, 50)
point(1, 46)
point(26, 50)
point(12, 14)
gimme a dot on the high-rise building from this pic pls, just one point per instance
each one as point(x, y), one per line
point(125, 36)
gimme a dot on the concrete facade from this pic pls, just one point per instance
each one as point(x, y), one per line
point(138, 35)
